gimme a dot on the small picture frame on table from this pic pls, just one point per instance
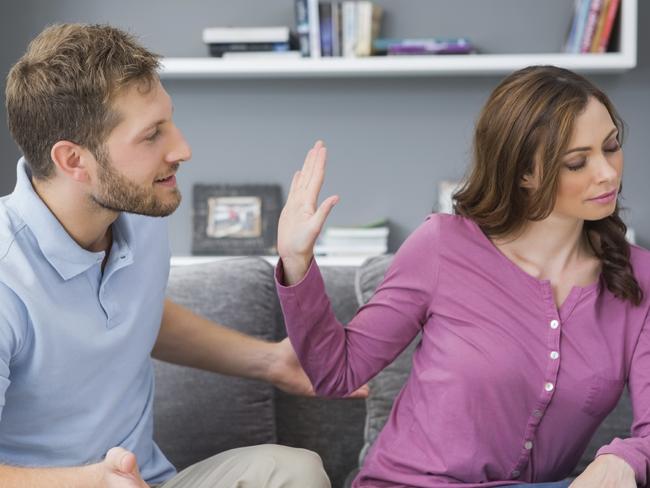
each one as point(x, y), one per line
point(235, 219)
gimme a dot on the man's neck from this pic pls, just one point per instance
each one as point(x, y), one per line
point(82, 219)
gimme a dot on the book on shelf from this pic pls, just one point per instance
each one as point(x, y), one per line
point(605, 36)
point(314, 29)
point(219, 50)
point(591, 26)
point(302, 26)
point(368, 240)
point(459, 45)
point(346, 28)
point(246, 55)
point(222, 40)
point(326, 31)
point(227, 35)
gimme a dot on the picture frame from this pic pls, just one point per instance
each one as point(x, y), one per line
point(235, 219)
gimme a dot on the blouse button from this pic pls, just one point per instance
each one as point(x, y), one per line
point(528, 445)
point(537, 413)
point(555, 354)
point(515, 473)
point(548, 386)
point(554, 324)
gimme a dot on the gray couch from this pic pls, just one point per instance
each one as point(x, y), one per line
point(199, 414)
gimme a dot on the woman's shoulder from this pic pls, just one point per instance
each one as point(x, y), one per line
point(450, 227)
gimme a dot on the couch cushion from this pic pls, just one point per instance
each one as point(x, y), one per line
point(387, 384)
point(197, 413)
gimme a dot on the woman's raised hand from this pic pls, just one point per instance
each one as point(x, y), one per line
point(302, 219)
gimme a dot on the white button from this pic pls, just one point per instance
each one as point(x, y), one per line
point(528, 445)
point(554, 324)
point(515, 473)
point(548, 386)
point(555, 354)
point(537, 413)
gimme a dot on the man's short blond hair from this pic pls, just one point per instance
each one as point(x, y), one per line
point(62, 88)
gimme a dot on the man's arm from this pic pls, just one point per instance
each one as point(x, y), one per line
point(118, 470)
point(190, 340)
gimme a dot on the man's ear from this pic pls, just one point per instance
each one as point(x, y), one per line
point(71, 159)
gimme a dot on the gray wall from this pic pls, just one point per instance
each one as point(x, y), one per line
point(390, 139)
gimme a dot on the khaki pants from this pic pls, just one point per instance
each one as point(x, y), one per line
point(264, 466)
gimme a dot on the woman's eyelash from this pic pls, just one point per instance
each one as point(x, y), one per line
point(153, 136)
point(576, 166)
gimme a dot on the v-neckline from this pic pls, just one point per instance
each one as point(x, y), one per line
point(566, 307)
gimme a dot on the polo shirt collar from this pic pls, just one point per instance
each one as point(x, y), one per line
point(58, 247)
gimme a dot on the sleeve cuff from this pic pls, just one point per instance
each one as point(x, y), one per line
point(635, 459)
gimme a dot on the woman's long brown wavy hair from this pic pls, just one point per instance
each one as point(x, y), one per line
point(525, 128)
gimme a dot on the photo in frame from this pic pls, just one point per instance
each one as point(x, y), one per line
point(235, 219)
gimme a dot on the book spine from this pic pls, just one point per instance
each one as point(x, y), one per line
point(302, 26)
point(336, 29)
point(364, 21)
point(219, 49)
point(314, 28)
point(581, 21)
point(325, 16)
point(602, 16)
point(590, 26)
point(609, 25)
point(349, 29)
point(377, 15)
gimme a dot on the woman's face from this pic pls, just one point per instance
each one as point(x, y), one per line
point(592, 167)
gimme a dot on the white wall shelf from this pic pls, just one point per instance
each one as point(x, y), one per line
point(390, 66)
point(478, 64)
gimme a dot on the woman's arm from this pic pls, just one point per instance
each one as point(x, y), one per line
point(338, 360)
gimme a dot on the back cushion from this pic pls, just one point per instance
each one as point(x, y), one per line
point(197, 413)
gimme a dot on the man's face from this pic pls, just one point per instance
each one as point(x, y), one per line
point(136, 168)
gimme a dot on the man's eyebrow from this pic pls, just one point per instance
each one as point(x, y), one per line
point(588, 148)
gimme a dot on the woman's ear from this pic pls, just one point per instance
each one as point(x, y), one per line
point(528, 181)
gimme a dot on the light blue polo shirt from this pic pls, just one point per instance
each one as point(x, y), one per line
point(76, 376)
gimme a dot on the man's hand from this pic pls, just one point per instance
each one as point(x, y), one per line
point(120, 470)
point(286, 373)
point(606, 471)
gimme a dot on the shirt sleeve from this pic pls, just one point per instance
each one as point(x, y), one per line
point(12, 326)
point(636, 449)
point(338, 359)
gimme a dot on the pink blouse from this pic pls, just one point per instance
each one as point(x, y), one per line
point(505, 387)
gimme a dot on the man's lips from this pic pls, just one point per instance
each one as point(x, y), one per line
point(168, 181)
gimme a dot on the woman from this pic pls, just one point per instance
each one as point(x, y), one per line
point(530, 302)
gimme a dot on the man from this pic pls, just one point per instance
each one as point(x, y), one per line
point(83, 272)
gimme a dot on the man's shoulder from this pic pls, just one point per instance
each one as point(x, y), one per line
point(10, 225)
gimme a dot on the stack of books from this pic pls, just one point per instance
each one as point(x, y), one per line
point(245, 41)
point(345, 28)
point(396, 47)
point(592, 25)
point(369, 240)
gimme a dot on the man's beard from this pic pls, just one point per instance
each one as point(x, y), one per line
point(118, 194)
